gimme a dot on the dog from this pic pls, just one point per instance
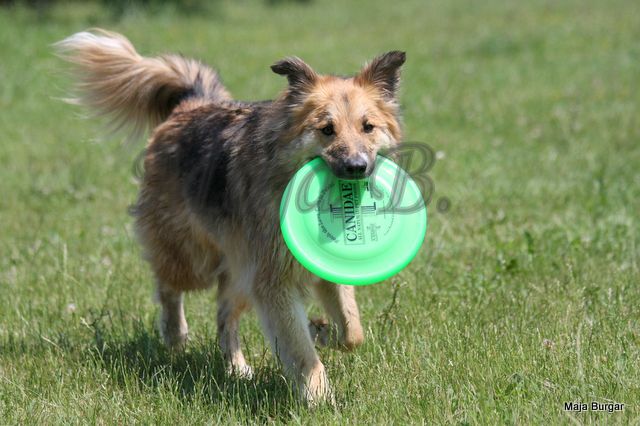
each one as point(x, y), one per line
point(215, 169)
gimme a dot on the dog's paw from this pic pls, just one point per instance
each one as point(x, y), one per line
point(175, 334)
point(240, 371)
point(175, 342)
point(315, 390)
point(324, 333)
point(321, 332)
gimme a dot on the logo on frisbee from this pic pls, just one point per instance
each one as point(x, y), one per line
point(348, 213)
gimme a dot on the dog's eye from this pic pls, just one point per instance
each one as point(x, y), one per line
point(367, 127)
point(328, 130)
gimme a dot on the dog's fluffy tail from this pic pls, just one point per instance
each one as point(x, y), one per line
point(137, 93)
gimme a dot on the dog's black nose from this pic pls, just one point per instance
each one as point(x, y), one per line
point(355, 167)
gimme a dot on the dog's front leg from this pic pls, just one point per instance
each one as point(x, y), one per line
point(340, 303)
point(284, 321)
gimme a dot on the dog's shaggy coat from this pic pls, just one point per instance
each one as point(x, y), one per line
point(215, 170)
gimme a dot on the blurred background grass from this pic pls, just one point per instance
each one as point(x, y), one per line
point(525, 294)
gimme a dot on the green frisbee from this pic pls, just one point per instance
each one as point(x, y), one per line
point(353, 232)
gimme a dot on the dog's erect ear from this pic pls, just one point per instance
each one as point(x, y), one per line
point(384, 72)
point(299, 74)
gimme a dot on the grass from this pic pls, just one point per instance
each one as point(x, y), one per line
point(525, 295)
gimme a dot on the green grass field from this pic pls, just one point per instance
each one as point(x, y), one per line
point(525, 295)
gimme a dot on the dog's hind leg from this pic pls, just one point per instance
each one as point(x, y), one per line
point(173, 267)
point(173, 324)
point(282, 314)
point(340, 303)
point(231, 305)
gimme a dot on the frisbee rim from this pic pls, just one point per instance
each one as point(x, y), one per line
point(305, 253)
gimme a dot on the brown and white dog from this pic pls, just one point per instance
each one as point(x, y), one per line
point(215, 170)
